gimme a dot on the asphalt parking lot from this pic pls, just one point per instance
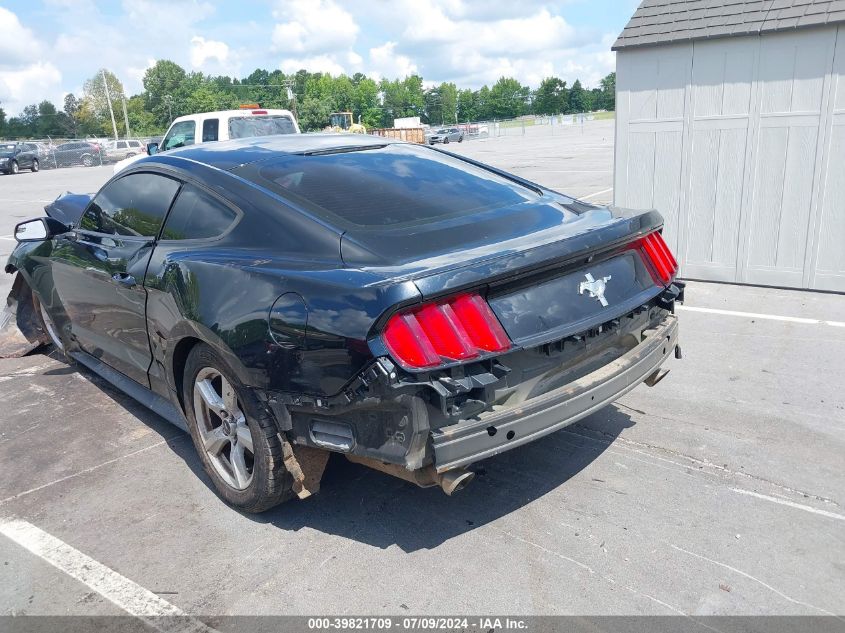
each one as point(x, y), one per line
point(719, 491)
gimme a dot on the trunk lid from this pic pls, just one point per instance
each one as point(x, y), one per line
point(531, 260)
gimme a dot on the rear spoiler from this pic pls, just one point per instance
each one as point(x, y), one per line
point(629, 225)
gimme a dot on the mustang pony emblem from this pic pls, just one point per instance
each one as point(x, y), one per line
point(595, 287)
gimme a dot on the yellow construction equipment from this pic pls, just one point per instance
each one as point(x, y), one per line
point(342, 122)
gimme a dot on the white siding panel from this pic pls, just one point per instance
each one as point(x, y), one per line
point(671, 79)
point(831, 261)
point(702, 206)
point(768, 197)
point(667, 182)
point(728, 197)
point(829, 273)
point(758, 192)
point(640, 167)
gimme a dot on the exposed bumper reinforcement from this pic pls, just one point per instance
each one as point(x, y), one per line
point(468, 442)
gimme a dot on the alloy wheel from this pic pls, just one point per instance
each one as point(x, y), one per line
point(51, 328)
point(223, 428)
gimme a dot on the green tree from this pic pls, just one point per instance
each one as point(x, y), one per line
point(578, 99)
point(551, 97)
point(71, 121)
point(141, 122)
point(313, 114)
point(2, 120)
point(608, 92)
point(467, 105)
point(98, 89)
point(162, 84)
point(48, 123)
point(366, 102)
point(508, 98)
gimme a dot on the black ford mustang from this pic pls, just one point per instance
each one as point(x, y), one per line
point(289, 296)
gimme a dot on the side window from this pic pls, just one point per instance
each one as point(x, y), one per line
point(209, 130)
point(121, 145)
point(197, 215)
point(134, 205)
point(179, 135)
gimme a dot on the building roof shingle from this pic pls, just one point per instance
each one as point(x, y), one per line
point(665, 21)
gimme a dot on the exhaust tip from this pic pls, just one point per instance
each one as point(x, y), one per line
point(454, 480)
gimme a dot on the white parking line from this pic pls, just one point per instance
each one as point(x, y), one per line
point(791, 504)
point(597, 193)
point(126, 594)
point(769, 317)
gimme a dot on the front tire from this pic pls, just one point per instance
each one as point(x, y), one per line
point(87, 161)
point(235, 437)
point(446, 141)
point(35, 166)
point(47, 324)
point(14, 167)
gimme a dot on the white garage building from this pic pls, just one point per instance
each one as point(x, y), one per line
point(731, 122)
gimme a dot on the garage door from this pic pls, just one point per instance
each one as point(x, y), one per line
point(740, 143)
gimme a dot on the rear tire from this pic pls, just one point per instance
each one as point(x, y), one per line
point(235, 437)
point(35, 167)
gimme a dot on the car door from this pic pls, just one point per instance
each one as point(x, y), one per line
point(23, 156)
point(99, 269)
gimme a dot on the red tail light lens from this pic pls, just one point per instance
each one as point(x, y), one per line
point(482, 325)
point(461, 328)
point(660, 257)
point(407, 341)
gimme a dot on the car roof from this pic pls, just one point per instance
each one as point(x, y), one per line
point(242, 112)
point(233, 153)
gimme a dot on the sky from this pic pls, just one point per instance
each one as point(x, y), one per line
point(50, 47)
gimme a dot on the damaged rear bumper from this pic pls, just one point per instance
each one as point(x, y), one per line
point(470, 441)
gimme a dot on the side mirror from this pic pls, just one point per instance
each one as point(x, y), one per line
point(39, 229)
point(152, 148)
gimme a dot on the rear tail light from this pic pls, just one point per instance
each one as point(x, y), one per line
point(663, 264)
point(460, 328)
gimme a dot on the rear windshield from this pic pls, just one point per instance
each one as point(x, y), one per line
point(389, 185)
point(258, 125)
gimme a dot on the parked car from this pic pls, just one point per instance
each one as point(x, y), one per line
point(290, 296)
point(45, 153)
point(208, 127)
point(17, 156)
point(118, 150)
point(446, 135)
point(78, 153)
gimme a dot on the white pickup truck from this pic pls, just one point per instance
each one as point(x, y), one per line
point(223, 125)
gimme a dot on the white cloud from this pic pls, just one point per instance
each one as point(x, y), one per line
point(313, 26)
point(385, 62)
point(203, 50)
point(473, 44)
point(315, 64)
point(18, 44)
point(24, 77)
point(30, 84)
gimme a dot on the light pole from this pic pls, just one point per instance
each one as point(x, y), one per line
point(108, 98)
point(168, 101)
